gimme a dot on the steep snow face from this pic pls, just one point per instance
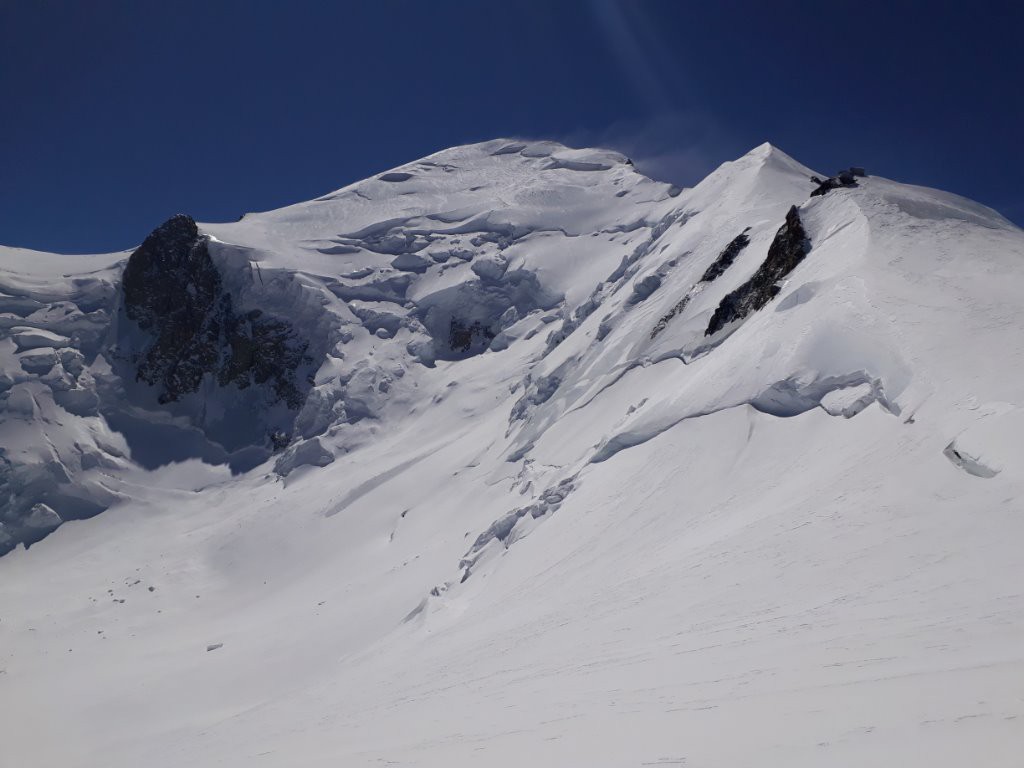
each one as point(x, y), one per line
point(579, 455)
point(231, 342)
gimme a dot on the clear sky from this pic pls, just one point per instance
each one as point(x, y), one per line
point(116, 115)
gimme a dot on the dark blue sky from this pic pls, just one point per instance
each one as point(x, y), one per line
point(116, 115)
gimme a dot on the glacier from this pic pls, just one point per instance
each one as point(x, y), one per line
point(512, 455)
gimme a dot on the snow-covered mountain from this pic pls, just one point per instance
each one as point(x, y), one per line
point(513, 456)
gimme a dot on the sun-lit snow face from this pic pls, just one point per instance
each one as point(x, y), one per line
point(577, 455)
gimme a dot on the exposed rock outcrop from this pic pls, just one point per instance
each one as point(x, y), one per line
point(788, 249)
point(847, 178)
point(726, 257)
point(718, 267)
point(173, 291)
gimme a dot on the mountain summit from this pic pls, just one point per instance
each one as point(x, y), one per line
point(514, 455)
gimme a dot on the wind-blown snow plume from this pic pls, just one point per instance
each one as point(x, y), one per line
point(512, 454)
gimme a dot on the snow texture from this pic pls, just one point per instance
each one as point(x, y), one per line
point(513, 504)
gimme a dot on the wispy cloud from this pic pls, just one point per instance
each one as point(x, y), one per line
point(675, 147)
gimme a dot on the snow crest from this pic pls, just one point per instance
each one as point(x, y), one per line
point(566, 453)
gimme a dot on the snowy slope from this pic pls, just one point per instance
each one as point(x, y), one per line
point(535, 507)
